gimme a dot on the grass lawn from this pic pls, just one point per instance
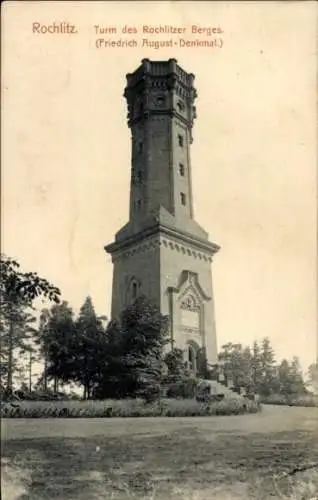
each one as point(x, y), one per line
point(223, 458)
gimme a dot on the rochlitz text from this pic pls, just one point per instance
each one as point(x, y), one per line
point(61, 28)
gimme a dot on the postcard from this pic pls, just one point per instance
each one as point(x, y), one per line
point(159, 250)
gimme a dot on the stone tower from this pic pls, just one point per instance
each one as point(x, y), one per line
point(162, 252)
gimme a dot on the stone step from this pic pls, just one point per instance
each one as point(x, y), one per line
point(218, 388)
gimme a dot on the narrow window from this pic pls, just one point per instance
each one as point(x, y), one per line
point(140, 147)
point(191, 358)
point(134, 290)
point(183, 198)
point(138, 204)
point(181, 169)
point(180, 140)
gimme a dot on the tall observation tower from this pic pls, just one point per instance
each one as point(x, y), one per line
point(162, 252)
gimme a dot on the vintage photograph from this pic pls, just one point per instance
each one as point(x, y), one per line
point(159, 251)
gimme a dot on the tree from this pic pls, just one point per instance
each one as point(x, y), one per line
point(290, 378)
point(174, 361)
point(144, 335)
point(267, 383)
point(283, 377)
point(236, 361)
point(92, 339)
point(253, 369)
point(73, 349)
point(60, 343)
point(16, 286)
point(39, 339)
point(110, 378)
point(133, 357)
point(16, 332)
point(32, 359)
point(256, 367)
point(313, 377)
point(203, 370)
point(298, 384)
point(17, 293)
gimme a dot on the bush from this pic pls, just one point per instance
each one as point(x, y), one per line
point(127, 408)
point(151, 393)
point(205, 398)
point(309, 400)
point(182, 387)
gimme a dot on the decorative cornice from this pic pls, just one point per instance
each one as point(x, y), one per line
point(180, 241)
point(152, 113)
point(167, 70)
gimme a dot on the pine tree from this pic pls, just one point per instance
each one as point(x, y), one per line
point(110, 377)
point(313, 377)
point(144, 335)
point(91, 338)
point(59, 342)
point(16, 332)
point(298, 384)
point(74, 349)
point(291, 382)
point(39, 340)
point(236, 361)
point(174, 361)
point(256, 367)
point(133, 357)
point(268, 368)
point(17, 293)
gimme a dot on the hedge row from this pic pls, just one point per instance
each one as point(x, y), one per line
point(128, 408)
point(308, 401)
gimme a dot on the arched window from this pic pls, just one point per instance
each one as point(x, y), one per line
point(133, 290)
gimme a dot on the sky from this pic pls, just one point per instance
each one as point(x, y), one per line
point(66, 153)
